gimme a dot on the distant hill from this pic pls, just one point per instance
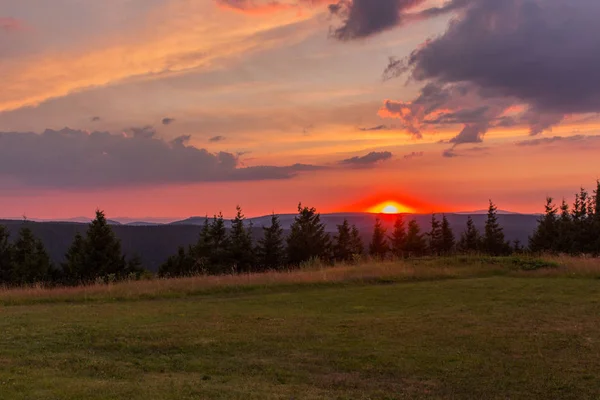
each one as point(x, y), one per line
point(154, 243)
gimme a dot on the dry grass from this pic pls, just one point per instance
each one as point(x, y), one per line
point(365, 273)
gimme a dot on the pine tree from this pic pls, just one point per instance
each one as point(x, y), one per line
point(103, 257)
point(356, 242)
point(307, 239)
point(595, 235)
point(493, 240)
point(415, 243)
point(73, 267)
point(545, 237)
point(342, 247)
point(6, 265)
point(470, 240)
point(219, 260)
point(379, 246)
point(448, 239)
point(241, 250)
point(582, 223)
point(31, 263)
point(435, 236)
point(564, 241)
point(271, 248)
point(179, 265)
point(398, 238)
point(200, 254)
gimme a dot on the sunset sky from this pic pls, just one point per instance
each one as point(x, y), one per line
point(173, 108)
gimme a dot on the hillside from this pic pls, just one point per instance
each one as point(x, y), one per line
point(155, 243)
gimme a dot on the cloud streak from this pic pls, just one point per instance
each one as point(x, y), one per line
point(79, 159)
point(370, 159)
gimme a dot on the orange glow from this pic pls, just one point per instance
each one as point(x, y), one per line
point(390, 207)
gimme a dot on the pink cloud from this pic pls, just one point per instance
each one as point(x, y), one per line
point(9, 24)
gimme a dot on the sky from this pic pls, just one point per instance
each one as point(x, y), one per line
point(173, 108)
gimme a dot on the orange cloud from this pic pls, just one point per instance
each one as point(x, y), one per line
point(253, 7)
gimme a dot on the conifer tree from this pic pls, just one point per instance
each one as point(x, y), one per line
point(6, 265)
point(493, 240)
point(564, 242)
point(179, 265)
point(470, 240)
point(73, 267)
point(200, 254)
point(31, 263)
point(219, 260)
point(271, 248)
point(398, 238)
point(545, 237)
point(241, 250)
point(448, 239)
point(582, 223)
point(356, 242)
point(307, 239)
point(435, 236)
point(379, 246)
point(342, 246)
point(595, 236)
point(415, 243)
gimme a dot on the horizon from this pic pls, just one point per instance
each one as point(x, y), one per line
point(181, 108)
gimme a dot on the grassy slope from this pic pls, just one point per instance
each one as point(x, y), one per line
point(486, 337)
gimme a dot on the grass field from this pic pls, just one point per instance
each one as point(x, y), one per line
point(448, 328)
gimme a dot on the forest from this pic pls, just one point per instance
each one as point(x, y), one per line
point(96, 256)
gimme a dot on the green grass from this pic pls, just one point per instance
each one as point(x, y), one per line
point(488, 336)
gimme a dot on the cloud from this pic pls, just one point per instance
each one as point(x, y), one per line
point(95, 119)
point(9, 24)
point(556, 139)
point(265, 7)
point(168, 121)
point(368, 160)
point(78, 159)
point(449, 153)
point(414, 154)
point(374, 128)
point(216, 139)
point(487, 53)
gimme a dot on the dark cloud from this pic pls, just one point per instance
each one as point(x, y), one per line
point(168, 121)
point(541, 55)
point(557, 139)
point(449, 153)
point(95, 119)
point(79, 159)
point(368, 160)
point(414, 154)
point(374, 128)
point(215, 139)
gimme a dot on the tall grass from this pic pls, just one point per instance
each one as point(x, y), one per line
point(367, 272)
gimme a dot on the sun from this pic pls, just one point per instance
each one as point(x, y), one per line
point(390, 208)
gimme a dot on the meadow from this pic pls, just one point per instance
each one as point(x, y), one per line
point(440, 328)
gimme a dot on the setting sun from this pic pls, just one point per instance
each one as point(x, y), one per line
point(390, 207)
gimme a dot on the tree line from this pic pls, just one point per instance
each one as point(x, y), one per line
point(97, 256)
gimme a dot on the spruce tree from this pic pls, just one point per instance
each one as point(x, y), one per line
point(564, 242)
point(179, 265)
point(241, 250)
point(271, 248)
point(448, 239)
point(470, 240)
point(356, 242)
point(200, 254)
point(493, 240)
point(595, 235)
point(73, 267)
point(219, 260)
point(415, 243)
point(581, 223)
point(103, 257)
point(31, 263)
point(435, 236)
point(379, 246)
point(6, 265)
point(398, 238)
point(307, 239)
point(342, 247)
point(545, 237)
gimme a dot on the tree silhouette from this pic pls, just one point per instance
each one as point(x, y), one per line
point(379, 246)
point(356, 242)
point(398, 238)
point(307, 239)
point(546, 235)
point(74, 266)
point(448, 239)
point(241, 250)
point(271, 248)
point(342, 247)
point(415, 243)
point(31, 262)
point(6, 265)
point(470, 240)
point(435, 237)
point(493, 240)
point(219, 257)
